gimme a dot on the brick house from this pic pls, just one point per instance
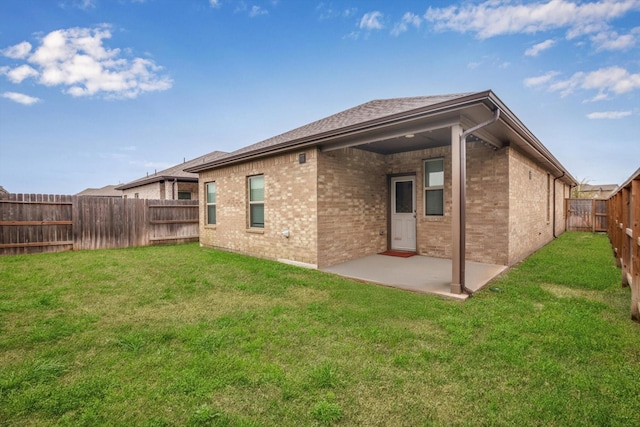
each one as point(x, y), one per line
point(389, 174)
point(169, 184)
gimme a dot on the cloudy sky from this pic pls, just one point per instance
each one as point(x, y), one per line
point(97, 92)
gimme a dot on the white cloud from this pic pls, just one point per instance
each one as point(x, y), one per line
point(407, 19)
point(540, 80)
point(608, 115)
point(611, 40)
point(537, 48)
point(326, 11)
point(80, 4)
point(498, 17)
point(606, 81)
point(21, 98)
point(612, 79)
point(214, 3)
point(19, 51)
point(371, 21)
point(18, 74)
point(257, 11)
point(77, 60)
point(354, 35)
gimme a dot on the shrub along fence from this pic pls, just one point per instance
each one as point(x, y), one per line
point(32, 223)
point(624, 233)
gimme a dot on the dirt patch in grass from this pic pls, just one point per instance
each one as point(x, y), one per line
point(567, 292)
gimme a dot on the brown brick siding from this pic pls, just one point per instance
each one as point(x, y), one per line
point(352, 205)
point(148, 191)
point(487, 237)
point(347, 191)
point(290, 204)
point(531, 206)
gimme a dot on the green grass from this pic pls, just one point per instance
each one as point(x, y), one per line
point(181, 335)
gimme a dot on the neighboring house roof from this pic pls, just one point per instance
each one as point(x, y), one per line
point(598, 191)
point(3, 191)
point(176, 172)
point(377, 119)
point(106, 191)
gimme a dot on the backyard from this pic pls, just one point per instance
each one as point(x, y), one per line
point(184, 335)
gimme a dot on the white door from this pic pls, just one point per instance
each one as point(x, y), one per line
point(403, 213)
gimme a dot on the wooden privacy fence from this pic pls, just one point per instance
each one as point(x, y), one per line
point(624, 233)
point(586, 215)
point(32, 223)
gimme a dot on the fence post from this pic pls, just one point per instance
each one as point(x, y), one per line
point(634, 224)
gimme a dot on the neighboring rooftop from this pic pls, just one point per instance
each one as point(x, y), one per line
point(603, 191)
point(106, 191)
point(175, 172)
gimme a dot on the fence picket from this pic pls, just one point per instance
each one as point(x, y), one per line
point(32, 223)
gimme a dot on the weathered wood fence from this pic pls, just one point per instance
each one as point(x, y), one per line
point(586, 215)
point(624, 233)
point(33, 223)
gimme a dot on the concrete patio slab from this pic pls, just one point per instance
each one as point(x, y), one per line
point(417, 273)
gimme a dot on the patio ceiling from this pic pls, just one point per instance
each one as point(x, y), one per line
point(417, 134)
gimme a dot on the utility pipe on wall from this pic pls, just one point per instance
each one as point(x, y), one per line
point(458, 277)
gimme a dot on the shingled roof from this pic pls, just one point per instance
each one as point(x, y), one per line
point(361, 115)
point(106, 191)
point(375, 119)
point(175, 172)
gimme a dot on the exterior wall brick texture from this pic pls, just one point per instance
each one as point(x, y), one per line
point(290, 203)
point(352, 205)
point(336, 205)
point(531, 206)
point(148, 191)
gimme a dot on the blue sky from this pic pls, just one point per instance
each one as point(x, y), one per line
point(97, 92)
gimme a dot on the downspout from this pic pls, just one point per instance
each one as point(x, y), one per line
point(463, 196)
point(173, 188)
point(554, 203)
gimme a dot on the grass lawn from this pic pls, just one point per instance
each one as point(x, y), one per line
point(182, 335)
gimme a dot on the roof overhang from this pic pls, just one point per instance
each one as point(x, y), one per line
point(420, 128)
point(155, 178)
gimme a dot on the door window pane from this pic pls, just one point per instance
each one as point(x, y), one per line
point(404, 197)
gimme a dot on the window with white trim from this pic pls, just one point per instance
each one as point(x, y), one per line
point(256, 201)
point(211, 203)
point(434, 187)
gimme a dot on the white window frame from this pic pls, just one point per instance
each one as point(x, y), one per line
point(213, 204)
point(428, 188)
point(252, 203)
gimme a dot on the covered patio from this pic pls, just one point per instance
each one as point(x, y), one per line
point(417, 273)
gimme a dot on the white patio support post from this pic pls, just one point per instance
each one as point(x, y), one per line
point(458, 173)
